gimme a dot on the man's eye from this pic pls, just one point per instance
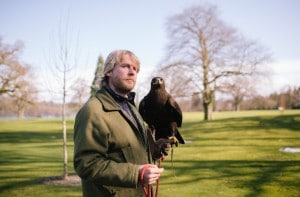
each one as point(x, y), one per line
point(124, 65)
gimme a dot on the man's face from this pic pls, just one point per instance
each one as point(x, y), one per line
point(122, 78)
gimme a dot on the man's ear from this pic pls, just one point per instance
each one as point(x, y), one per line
point(109, 73)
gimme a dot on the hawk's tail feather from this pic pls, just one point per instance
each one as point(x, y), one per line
point(179, 137)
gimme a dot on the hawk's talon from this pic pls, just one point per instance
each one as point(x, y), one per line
point(173, 141)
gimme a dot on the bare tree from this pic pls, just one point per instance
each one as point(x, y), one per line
point(63, 61)
point(209, 51)
point(239, 88)
point(176, 81)
point(80, 91)
point(11, 68)
point(24, 96)
point(14, 77)
point(288, 98)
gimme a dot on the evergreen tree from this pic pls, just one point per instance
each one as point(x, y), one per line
point(98, 75)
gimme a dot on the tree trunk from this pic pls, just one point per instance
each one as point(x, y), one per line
point(208, 110)
point(205, 107)
point(207, 102)
point(237, 107)
point(21, 113)
point(64, 128)
point(65, 149)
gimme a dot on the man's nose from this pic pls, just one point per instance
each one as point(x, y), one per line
point(132, 70)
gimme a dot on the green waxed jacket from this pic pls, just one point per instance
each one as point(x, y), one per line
point(108, 148)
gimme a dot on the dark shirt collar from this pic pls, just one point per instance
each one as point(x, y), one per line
point(120, 99)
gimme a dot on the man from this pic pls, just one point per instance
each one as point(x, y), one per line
point(113, 146)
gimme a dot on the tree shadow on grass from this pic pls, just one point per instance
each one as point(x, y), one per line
point(251, 174)
point(16, 178)
point(237, 173)
point(289, 122)
point(32, 137)
point(71, 181)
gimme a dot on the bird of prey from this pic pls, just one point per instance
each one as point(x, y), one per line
point(161, 112)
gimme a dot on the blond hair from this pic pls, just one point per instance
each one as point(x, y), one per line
point(113, 59)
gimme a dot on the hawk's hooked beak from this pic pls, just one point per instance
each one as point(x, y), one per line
point(157, 81)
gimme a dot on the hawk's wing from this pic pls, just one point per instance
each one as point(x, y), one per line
point(175, 110)
point(144, 111)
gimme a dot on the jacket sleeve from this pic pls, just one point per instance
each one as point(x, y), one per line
point(91, 159)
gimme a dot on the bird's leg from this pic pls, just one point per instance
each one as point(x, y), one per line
point(173, 129)
point(153, 131)
point(173, 141)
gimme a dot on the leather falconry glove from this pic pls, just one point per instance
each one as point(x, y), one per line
point(161, 148)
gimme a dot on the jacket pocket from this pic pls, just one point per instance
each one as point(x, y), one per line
point(128, 154)
point(122, 155)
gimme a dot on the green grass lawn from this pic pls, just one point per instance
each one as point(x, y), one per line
point(236, 154)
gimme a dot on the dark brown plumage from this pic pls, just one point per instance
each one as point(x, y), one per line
point(161, 111)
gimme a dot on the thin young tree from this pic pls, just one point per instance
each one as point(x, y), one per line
point(209, 51)
point(63, 61)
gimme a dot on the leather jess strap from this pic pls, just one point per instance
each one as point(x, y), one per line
point(147, 190)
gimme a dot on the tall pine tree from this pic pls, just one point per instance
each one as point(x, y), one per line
point(98, 75)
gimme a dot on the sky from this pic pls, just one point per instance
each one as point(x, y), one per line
point(97, 27)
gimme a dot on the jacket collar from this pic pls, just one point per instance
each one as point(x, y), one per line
point(110, 99)
point(120, 99)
